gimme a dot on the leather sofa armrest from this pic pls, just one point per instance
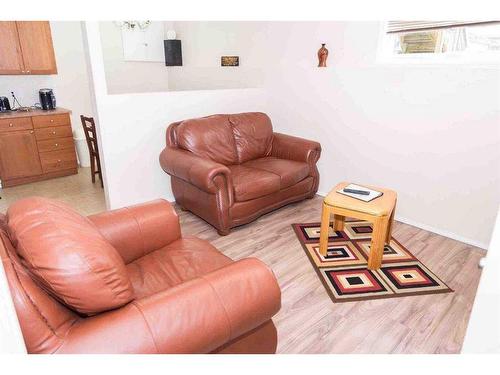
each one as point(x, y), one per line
point(295, 148)
point(197, 171)
point(138, 230)
point(197, 316)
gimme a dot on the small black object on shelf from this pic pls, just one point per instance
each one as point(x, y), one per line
point(173, 52)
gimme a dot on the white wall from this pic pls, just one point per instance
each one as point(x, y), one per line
point(128, 76)
point(203, 44)
point(431, 133)
point(132, 129)
point(11, 338)
point(71, 84)
point(483, 331)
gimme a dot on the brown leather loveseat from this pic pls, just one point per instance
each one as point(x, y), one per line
point(126, 281)
point(230, 169)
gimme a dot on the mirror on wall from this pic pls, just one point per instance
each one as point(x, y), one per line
point(151, 56)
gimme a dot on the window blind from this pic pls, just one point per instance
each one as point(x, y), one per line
point(406, 26)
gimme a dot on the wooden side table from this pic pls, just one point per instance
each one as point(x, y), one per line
point(380, 212)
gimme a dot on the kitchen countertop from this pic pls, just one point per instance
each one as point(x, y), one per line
point(33, 112)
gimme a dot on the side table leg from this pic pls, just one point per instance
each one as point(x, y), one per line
point(390, 225)
point(338, 222)
point(378, 241)
point(325, 225)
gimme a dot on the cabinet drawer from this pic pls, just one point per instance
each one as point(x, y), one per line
point(50, 120)
point(21, 123)
point(55, 144)
point(53, 132)
point(58, 160)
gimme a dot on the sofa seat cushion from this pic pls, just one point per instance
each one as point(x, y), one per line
point(251, 183)
point(67, 256)
point(289, 171)
point(180, 261)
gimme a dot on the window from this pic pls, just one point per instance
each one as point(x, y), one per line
point(440, 41)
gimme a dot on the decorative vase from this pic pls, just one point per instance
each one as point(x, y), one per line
point(322, 56)
point(171, 35)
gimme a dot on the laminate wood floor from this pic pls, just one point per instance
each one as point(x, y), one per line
point(309, 322)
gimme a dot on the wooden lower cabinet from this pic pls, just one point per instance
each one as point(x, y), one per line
point(53, 132)
point(19, 155)
point(53, 161)
point(55, 144)
point(36, 146)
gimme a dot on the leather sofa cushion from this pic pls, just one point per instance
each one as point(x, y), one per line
point(251, 183)
point(289, 171)
point(209, 137)
point(253, 135)
point(67, 256)
point(180, 261)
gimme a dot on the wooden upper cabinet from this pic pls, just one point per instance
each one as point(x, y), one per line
point(26, 48)
point(11, 59)
point(36, 46)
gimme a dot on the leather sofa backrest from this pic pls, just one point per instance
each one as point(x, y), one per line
point(208, 137)
point(67, 256)
point(253, 135)
point(226, 139)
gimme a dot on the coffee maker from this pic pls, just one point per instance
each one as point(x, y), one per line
point(47, 99)
point(4, 104)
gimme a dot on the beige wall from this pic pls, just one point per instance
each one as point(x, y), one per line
point(128, 76)
point(71, 84)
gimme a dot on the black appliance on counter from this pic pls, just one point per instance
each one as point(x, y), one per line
point(47, 99)
point(4, 104)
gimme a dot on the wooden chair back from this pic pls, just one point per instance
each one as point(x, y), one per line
point(90, 134)
point(88, 125)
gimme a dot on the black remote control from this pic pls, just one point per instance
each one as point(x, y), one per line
point(354, 191)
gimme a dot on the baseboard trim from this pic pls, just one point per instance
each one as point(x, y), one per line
point(442, 232)
point(432, 229)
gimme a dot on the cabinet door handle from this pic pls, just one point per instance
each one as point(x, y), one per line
point(11, 125)
point(51, 120)
point(59, 160)
point(57, 145)
point(54, 132)
point(27, 71)
point(31, 132)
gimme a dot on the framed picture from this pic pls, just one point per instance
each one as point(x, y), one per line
point(230, 61)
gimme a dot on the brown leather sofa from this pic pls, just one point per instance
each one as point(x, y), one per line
point(126, 281)
point(231, 169)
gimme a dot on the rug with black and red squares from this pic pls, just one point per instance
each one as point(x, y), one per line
point(344, 270)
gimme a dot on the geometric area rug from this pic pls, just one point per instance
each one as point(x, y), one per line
point(344, 272)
